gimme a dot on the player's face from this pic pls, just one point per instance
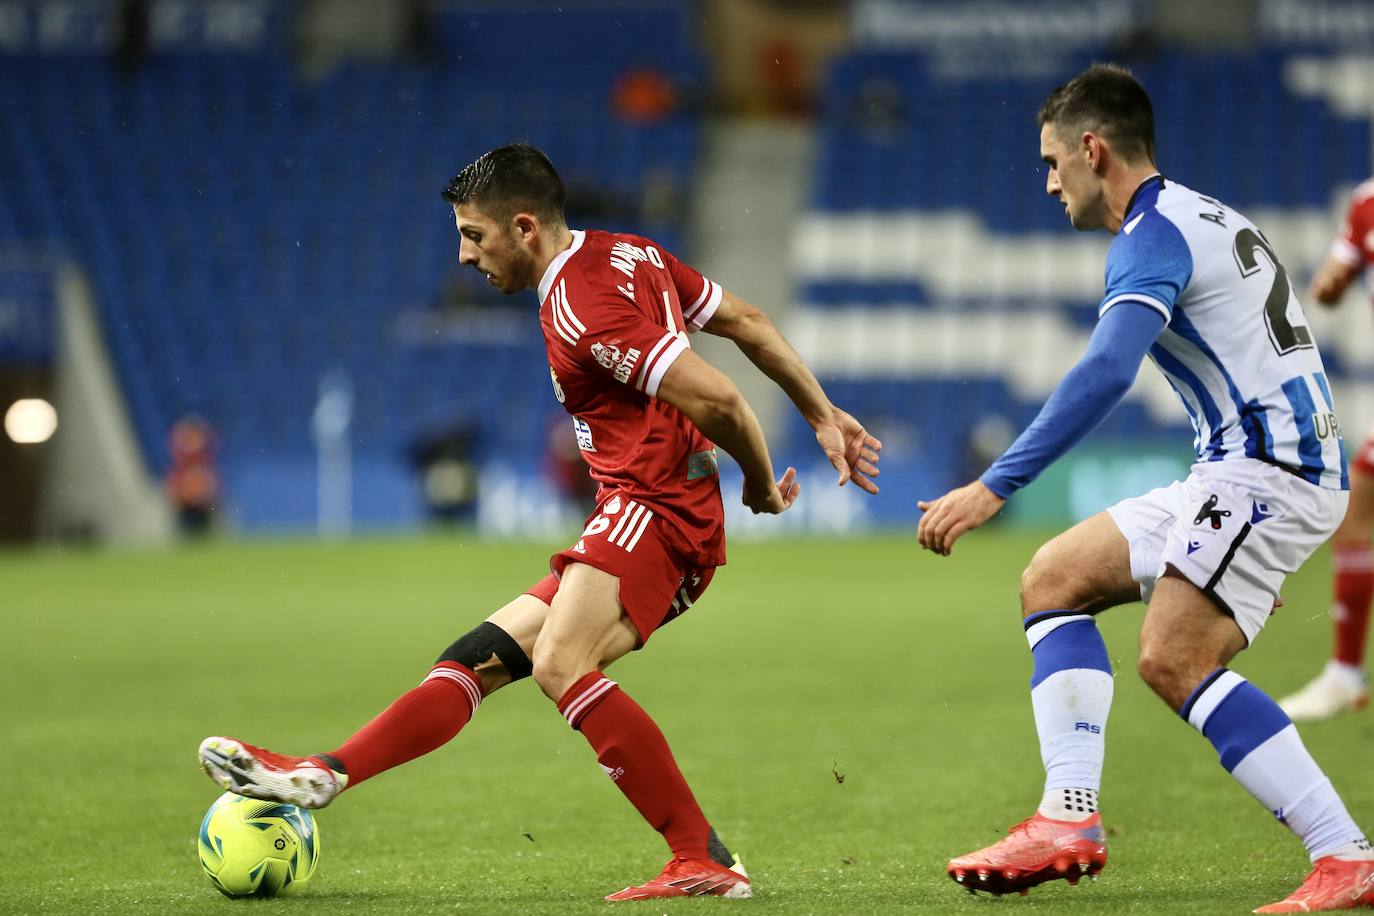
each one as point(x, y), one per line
point(495, 250)
point(1072, 180)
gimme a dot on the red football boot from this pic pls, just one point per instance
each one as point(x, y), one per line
point(259, 773)
point(693, 878)
point(1335, 884)
point(1037, 850)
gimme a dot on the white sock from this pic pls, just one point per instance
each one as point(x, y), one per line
point(1352, 676)
point(1069, 804)
point(1071, 695)
point(1260, 747)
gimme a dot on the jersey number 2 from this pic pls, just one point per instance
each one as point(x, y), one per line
point(1285, 336)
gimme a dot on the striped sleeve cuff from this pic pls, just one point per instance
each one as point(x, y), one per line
point(699, 312)
point(669, 347)
point(1149, 301)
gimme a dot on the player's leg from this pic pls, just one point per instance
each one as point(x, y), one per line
point(1342, 685)
point(587, 629)
point(1077, 574)
point(422, 719)
point(1223, 568)
point(1185, 645)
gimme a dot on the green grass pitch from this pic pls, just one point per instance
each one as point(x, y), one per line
point(850, 714)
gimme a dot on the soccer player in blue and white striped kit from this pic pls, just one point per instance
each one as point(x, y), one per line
point(1195, 286)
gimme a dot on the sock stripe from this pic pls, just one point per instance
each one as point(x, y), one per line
point(585, 700)
point(466, 681)
point(1038, 626)
point(1211, 693)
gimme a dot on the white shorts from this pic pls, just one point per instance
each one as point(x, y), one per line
point(1234, 528)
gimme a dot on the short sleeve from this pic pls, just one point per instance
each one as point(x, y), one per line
point(1355, 245)
point(700, 296)
point(610, 336)
point(1149, 263)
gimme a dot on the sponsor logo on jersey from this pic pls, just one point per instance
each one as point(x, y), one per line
point(584, 435)
point(557, 388)
point(1326, 426)
point(627, 365)
point(606, 356)
point(1211, 514)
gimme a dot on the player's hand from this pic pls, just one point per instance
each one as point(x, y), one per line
point(947, 519)
point(776, 498)
point(851, 450)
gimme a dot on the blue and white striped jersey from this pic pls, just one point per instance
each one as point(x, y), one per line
point(1236, 348)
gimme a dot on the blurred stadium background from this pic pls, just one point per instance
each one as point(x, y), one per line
point(225, 265)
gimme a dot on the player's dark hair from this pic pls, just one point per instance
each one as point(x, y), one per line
point(1107, 99)
point(511, 179)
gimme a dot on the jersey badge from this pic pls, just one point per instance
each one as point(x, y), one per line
point(557, 388)
point(702, 464)
point(1259, 512)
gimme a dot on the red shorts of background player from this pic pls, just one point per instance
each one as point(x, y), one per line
point(624, 538)
point(1364, 458)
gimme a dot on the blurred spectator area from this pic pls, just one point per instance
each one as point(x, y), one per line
point(248, 228)
point(938, 287)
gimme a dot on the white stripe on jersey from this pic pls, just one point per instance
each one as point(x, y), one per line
point(700, 311)
point(666, 357)
point(1151, 301)
point(560, 310)
point(1246, 368)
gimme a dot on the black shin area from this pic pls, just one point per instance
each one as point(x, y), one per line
point(472, 649)
point(719, 854)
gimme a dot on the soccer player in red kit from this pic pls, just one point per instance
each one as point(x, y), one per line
point(615, 310)
point(1342, 685)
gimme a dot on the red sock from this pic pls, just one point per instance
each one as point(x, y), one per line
point(420, 720)
point(634, 753)
point(1354, 589)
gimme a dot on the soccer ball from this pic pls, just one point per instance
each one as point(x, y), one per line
point(253, 848)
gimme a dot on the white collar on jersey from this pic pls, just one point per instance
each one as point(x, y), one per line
point(545, 282)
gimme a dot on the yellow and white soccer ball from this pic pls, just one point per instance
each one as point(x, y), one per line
point(253, 848)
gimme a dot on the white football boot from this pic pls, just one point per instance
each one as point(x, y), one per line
point(1338, 689)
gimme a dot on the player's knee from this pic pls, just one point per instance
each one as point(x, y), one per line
point(1045, 584)
point(555, 670)
point(491, 653)
point(1166, 672)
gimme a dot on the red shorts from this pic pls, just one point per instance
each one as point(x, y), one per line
point(1364, 458)
point(624, 538)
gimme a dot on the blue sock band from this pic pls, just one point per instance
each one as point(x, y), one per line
point(1233, 714)
point(1075, 644)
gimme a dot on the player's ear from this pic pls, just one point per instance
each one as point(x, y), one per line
point(527, 225)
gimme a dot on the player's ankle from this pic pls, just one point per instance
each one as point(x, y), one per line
point(1354, 851)
point(1068, 804)
point(1350, 673)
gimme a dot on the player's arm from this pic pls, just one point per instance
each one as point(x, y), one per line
point(1333, 278)
point(708, 398)
point(853, 452)
point(1088, 393)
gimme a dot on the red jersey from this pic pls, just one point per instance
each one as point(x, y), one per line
point(1355, 246)
point(615, 310)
